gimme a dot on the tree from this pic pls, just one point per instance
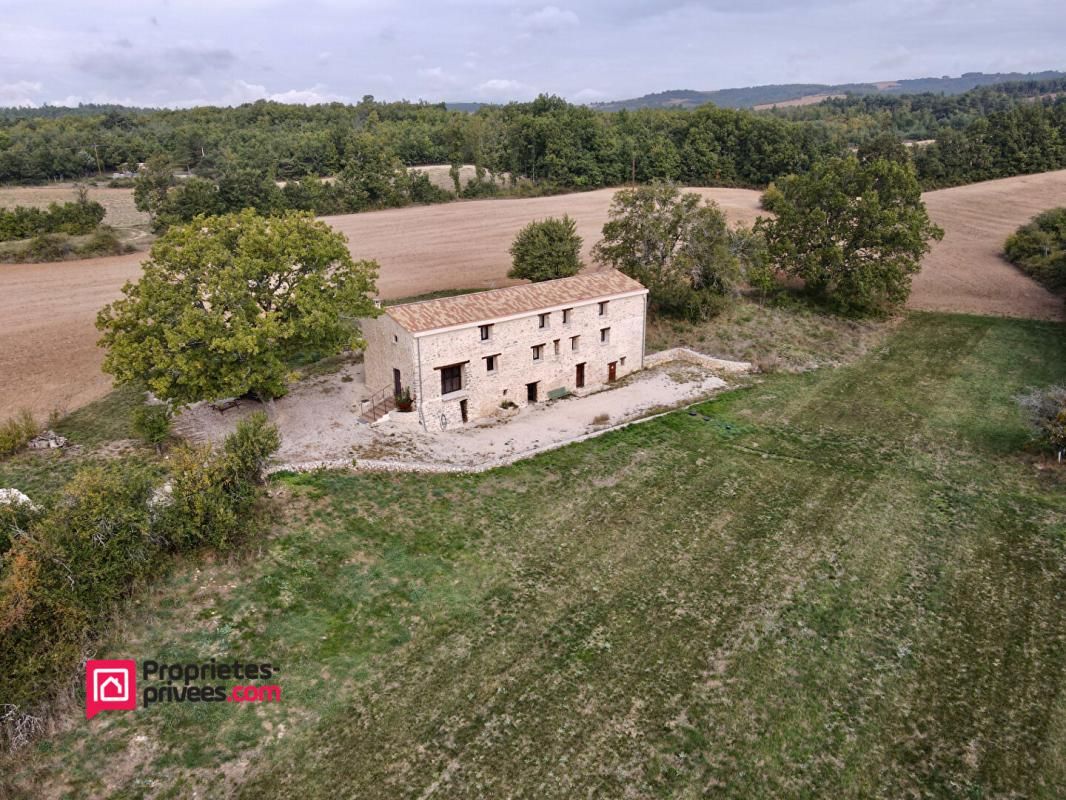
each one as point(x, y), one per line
point(225, 303)
point(152, 184)
point(681, 250)
point(884, 145)
point(854, 233)
point(546, 249)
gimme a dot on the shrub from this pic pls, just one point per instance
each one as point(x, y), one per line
point(1045, 412)
point(1039, 249)
point(212, 495)
point(15, 520)
point(103, 537)
point(48, 247)
point(80, 216)
point(152, 423)
point(103, 242)
point(85, 554)
point(15, 432)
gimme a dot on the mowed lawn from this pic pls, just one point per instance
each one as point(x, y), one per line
point(846, 583)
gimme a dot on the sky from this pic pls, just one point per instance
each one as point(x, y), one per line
point(226, 52)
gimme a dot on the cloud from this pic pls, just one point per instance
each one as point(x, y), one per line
point(20, 93)
point(132, 67)
point(196, 59)
point(588, 96)
point(314, 96)
point(504, 89)
point(436, 75)
point(550, 18)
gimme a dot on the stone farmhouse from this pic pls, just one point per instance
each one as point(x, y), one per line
point(465, 357)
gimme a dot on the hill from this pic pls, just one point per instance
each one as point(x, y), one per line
point(752, 96)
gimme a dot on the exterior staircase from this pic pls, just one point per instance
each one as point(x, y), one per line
point(378, 405)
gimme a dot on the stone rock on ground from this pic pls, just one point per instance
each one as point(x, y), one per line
point(13, 497)
point(47, 440)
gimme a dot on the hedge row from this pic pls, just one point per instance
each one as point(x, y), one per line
point(78, 217)
point(68, 566)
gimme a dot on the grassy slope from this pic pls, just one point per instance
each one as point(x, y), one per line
point(844, 582)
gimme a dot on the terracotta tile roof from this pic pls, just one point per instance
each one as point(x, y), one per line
point(465, 309)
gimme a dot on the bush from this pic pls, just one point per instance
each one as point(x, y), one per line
point(48, 247)
point(85, 554)
point(103, 242)
point(15, 432)
point(1045, 412)
point(15, 520)
point(152, 423)
point(106, 534)
point(78, 217)
point(212, 495)
point(1039, 249)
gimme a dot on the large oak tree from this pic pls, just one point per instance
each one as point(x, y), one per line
point(853, 232)
point(226, 303)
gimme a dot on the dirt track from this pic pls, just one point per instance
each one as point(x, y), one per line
point(48, 356)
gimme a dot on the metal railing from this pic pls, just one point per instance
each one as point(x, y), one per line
point(379, 403)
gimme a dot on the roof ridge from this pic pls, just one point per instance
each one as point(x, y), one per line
point(508, 288)
point(523, 298)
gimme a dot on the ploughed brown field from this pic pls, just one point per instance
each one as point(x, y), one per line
point(49, 359)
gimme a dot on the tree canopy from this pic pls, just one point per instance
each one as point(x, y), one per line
point(681, 250)
point(854, 233)
point(226, 303)
point(546, 249)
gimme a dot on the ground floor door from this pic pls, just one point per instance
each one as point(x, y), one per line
point(579, 379)
point(612, 371)
point(462, 410)
point(397, 386)
point(531, 392)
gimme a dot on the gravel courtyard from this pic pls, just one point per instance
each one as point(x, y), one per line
point(320, 425)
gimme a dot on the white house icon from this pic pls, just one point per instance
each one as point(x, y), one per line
point(111, 686)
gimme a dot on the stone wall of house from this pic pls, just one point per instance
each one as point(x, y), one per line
point(512, 342)
point(388, 347)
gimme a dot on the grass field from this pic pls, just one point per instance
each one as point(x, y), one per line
point(841, 583)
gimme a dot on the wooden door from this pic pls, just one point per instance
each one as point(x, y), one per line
point(396, 382)
point(579, 379)
point(612, 371)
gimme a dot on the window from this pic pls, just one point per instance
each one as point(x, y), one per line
point(490, 363)
point(603, 308)
point(622, 361)
point(556, 343)
point(566, 315)
point(395, 338)
point(605, 335)
point(451, 379)
point(544, 320)
point(573, 343)
point(538, 352)
point(486, 332)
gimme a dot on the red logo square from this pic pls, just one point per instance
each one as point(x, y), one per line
point(110, 685)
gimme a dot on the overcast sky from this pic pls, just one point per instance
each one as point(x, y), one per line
point(190, 52)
